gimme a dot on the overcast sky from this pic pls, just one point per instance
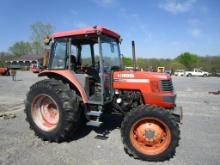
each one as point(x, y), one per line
point(161, 28)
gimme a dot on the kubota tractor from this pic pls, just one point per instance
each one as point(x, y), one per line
point(86, 77)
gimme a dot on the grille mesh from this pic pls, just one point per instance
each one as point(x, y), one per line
point(166, 85)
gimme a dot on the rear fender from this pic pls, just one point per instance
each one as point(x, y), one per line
point(69, 77)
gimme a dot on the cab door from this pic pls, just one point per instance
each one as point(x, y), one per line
point(109, 61)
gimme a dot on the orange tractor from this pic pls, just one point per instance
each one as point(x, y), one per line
point(86, 79)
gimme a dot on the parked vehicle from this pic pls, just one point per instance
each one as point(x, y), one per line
point(35, 69)
point(5, 71)
point(196, 72)
point(160, 69)
point(179, 73)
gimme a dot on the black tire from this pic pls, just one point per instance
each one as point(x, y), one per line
point(150, 111)
point(205, 75)
point(189, 75)
point(68, 106)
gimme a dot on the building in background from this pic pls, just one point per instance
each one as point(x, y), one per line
point(25, 62)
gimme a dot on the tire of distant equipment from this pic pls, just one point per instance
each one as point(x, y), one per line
point(67, 104)
point(162, 115)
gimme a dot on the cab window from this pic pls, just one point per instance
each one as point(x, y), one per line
point(86, 58)
point(59, 54)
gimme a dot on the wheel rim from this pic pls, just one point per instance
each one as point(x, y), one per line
point(150, 136)
point(45, 112)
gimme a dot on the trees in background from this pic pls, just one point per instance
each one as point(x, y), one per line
point(21, 48)
point(3, 57)
point(38, 31)
point(33, 47)
point(187, 59)
point(175, 65)
point(127, 61)
point(210, 63)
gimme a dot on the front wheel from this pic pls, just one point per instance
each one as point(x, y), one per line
point(150, 133)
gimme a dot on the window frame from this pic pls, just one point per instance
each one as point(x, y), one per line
point(52, 53)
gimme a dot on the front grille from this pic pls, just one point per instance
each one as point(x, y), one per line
point(166, 85)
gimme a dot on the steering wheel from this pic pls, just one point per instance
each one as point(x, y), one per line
point(82, 68)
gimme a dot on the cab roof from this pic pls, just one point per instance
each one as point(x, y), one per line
point(84, 31)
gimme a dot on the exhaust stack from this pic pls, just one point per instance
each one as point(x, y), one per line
point(133, 54)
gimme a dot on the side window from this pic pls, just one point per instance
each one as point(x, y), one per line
point(73, 57)
point(59, 55)
point(96, 53)
point(86, 57)
point(74, 50)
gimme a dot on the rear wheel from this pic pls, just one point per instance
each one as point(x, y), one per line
point(150, 133)
point(52, 110)
point(189, 75)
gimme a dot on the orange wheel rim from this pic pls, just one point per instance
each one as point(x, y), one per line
point(150, 136)
point(45, 112)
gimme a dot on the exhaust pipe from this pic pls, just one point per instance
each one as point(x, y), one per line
point(133, 55)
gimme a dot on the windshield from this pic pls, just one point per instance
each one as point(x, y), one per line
point(110, 53)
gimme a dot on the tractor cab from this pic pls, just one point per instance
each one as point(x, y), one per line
point(91, 55)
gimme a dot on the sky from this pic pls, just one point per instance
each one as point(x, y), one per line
point(160, 28)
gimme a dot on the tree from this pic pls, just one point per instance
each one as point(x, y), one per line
point(127, 61)
point(210, 64)
point(4, 56)
point(38, 31)
point(188, 59)
point(175, 64)
point(21, 48)
point(142, 63)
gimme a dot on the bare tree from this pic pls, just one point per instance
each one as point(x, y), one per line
point(38, 31)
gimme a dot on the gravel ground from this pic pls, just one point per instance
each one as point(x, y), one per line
point(200, 132)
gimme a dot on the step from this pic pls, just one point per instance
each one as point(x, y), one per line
point(94, 123)
point(94, 113)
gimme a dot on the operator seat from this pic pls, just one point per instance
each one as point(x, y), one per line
point(94, 73)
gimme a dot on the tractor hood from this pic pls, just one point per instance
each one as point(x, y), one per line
point(140, 76)
point(156, 88)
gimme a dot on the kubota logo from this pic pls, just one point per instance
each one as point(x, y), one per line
point(126, 75)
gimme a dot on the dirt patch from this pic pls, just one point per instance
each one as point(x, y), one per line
point(215, 93)
point(6, 116)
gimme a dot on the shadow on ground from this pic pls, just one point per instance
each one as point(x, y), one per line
point(110, 122)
